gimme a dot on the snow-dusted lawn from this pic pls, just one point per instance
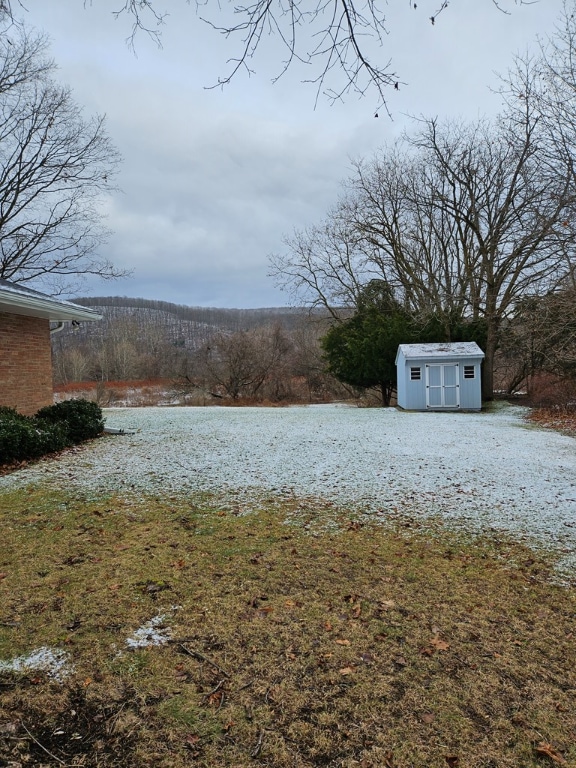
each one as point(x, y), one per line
point(486, 470)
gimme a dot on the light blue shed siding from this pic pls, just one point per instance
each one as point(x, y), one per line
point(415, 390)
point(471, 389)
point(412, 393)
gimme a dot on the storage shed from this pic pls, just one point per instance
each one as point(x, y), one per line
point(439, 377)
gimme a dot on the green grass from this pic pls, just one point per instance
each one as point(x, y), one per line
point(299, 637)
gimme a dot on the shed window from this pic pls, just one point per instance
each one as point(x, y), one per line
point(469, 371)
point(415, 374)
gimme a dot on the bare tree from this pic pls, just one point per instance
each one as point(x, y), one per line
point(544, 328)
point(241, 362)
point(465, 222)
point(387, 227)
point(517, 202)
point(324, 266)
point(55, 167)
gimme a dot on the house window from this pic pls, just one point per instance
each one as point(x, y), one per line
point(415, 374)
point(469, 371)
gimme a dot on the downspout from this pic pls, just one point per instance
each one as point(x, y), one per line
point(58, 328)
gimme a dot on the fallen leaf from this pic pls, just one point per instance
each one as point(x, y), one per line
point(327, 626)
point(386, 605)
point(428, 717)
point(215, 699)
point(439, 644)
point(342, 642)
point(346, 670)
point(400, 660)
point(452, 760)
point(547, 750)
point(290, 604)
point(3, 576)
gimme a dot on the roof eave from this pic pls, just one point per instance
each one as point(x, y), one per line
point(472, 355)
point(49, 309)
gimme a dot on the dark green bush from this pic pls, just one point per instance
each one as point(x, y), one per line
point(25, 437)
point(83, 418)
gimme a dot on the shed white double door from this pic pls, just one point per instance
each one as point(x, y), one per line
point(442, 385)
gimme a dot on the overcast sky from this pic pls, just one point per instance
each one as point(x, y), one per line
point(213, 179)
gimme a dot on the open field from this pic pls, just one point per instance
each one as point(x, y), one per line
point(162, 606)
point(481, 471)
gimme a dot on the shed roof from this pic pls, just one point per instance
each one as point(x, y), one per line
point(19, 300)
point(449, 349)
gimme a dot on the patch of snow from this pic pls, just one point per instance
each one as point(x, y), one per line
point(54, 663)
point(151, 633)
point(448, 349)
point(488, 470)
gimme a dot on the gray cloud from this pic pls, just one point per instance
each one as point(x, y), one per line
point(212, 180)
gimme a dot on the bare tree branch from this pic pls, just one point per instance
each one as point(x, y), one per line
point(55, 167)
point(340, 41)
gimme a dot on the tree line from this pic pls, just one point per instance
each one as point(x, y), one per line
point(260, 354)
point(295, 356)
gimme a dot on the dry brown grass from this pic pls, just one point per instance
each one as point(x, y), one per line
point(300, 638)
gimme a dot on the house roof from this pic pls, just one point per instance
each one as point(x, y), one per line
point(18, 300)
point(449, 349)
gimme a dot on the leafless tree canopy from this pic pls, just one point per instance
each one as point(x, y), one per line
point(461, 221)
point(343, 42)
point(55, 166)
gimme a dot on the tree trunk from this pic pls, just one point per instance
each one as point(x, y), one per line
point(386, 391)
point(488, 365)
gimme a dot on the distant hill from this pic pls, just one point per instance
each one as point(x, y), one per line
point(184, 326)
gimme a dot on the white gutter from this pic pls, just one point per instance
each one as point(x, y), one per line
point(34, 304)
point(59, 327)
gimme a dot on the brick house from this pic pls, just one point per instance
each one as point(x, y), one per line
point(25, 352)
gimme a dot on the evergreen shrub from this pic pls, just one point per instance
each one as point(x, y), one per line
point(26, 437)
point(83, 418)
